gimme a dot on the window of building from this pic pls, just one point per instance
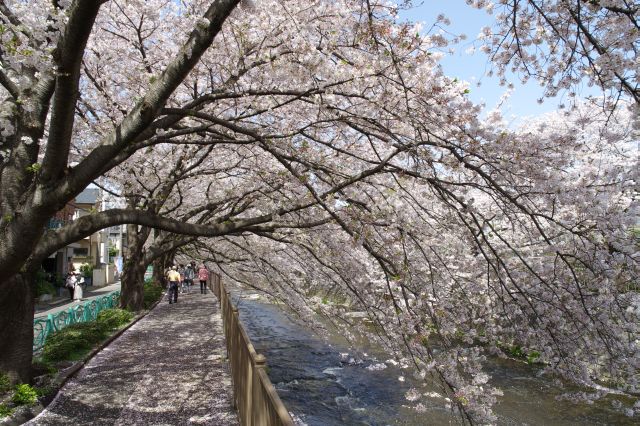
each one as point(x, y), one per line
point(81, 252)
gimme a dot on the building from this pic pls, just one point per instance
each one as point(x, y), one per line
point(92, 250)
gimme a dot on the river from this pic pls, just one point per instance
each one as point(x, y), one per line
point(324, 382)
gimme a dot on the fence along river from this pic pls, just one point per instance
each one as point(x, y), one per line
point(324, 382)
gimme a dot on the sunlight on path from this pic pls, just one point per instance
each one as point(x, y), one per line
point(167, 369)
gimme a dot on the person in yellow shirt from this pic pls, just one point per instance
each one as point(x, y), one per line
point(174, 280)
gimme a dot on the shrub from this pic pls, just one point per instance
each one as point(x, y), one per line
point(110, 319)
point(24, 395)
point(73, 340)
point(5, 410)
point(44, 287)
point(152, 293)
point(5, 383)
point(86, 270)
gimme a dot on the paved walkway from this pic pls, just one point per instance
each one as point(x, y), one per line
point(63, 303)
point(168, 369)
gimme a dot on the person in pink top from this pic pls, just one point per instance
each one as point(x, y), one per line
point(203, 276)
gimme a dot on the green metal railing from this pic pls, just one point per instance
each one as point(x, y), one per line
point(84, 312)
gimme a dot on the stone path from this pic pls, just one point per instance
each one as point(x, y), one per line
point(168, 369)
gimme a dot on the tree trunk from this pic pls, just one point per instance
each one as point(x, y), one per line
point(159, 266)
point(16, 326)
point(134, 266)
point(132, 292)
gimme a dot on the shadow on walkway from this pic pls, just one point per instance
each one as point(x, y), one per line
point(168, 369)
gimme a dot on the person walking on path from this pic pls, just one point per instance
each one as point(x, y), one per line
point(174, 279)
point(203, 276)
point(77, 290)
point(70, 283)
point(189, 275)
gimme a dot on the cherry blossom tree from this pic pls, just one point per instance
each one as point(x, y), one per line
point(70, 97)
point(40, 76)
point(321, 147)
point(527, 245)
point(562, 43)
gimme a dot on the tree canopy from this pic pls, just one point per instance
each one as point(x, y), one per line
point(316, 149)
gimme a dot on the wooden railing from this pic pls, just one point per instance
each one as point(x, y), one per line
point(255, 397)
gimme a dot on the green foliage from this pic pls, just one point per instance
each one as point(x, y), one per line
point(516, 351)
point(113, 252)
point(25, 395)
point(5, 410)
point(45, 390)
point(111, 319)
point(44, 287)
point(34, 168)
point(533, 357)
point(86, 270)
point(59, 281)
point(5, 383)
point(73, 341)
point(152, 293)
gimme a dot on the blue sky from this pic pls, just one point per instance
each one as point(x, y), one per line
point(473, 67)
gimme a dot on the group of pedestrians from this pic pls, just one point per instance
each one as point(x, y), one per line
point(181, 279)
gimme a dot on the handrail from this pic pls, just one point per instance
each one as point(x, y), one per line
point(82, 312)
point(255, 397)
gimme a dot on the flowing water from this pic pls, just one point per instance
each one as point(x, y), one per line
point(324, 383)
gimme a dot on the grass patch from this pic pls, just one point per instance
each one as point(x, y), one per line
point(152, 293)
point(73, 342)
point(110, 319)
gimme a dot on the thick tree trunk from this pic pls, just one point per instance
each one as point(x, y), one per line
point(159, 266)
point(132, 293)
point(16, 326)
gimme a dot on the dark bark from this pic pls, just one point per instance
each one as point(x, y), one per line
point(149, 106)
point(68, 57)
point(132, 293)
point(30, 197)
point(159, 266)
point(16, 333)
point(89, 224)
point(132, 279)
